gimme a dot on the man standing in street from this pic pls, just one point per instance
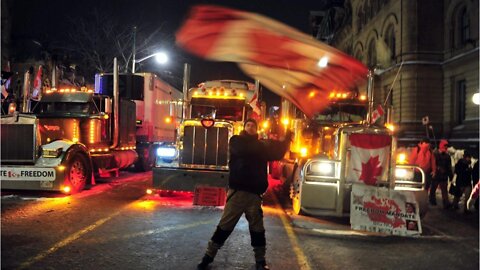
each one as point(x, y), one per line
point(247, 183)
point(442, 171)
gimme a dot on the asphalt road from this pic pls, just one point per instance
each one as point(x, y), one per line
point(116, 226)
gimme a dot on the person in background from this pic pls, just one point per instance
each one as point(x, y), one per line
point(422, 156)
point(464, 179)
point(473, 199)
point(442, 172)
point(247, 183)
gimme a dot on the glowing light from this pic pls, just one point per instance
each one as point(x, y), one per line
point(11, 108)
point(265, 124)
point(332, 95)
point(311, 95)
point(168, 119)
point(339, 95)
point(303, 152)
point(285, 121)
point(161, 58)
point(105, 116)
point(363, 97)
point(476, 98)
point(344, 95)
point(401, 158)
point(61, 168)
point(49, 140)
point(66, 189)
point(391, 127)
point(92, 131)
point(149, 191)
point(323, 62)
point(75, 140)
point(195, 93)
point(241, 95)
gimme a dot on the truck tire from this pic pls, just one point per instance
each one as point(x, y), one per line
point(78, 172)
point(146, 159)
point(295, 192)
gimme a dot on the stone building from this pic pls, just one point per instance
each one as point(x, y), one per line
point(425, 51)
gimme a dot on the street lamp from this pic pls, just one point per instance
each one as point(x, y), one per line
point(161, 58)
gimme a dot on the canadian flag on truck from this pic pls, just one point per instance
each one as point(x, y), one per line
point(369, 158)
point(377, 113)
point(255, 104)
point(37, 84)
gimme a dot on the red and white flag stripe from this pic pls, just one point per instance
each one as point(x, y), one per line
point(282, 58)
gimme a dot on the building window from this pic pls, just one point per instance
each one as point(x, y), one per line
point(464, 23)
point(372, 54)
point(390, 41)
point(461, 100)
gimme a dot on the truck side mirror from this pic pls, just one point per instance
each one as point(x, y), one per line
point(108, 105)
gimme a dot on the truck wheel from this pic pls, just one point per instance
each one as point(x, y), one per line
point(295, 192)
point(77, 172)
point(146, 158)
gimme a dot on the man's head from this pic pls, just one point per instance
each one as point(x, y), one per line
point(443, 146)
point(467, 156)
point(250, 126)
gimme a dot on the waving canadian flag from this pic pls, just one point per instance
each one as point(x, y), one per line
point(369, 158)
point(290, 63)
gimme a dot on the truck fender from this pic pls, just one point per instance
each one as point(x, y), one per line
point(69, 150)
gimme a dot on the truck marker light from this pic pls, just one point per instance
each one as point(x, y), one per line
point(241, 95)
point(363, 97)
point(61, 168)
point(311, 95)
point(265, 124)
point(401, 158)
point(168, 119)
point(344, 95)
point(339, 95)
point(149, 191)
point(66, 189)
point(332, 95)
point(391, 127)
point(105, 116)
point(303, 152)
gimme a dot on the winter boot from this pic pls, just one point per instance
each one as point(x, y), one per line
point(262, 265)
point(206, 260)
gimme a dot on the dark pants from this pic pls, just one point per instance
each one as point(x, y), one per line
point(239, 203)
point(443, 184)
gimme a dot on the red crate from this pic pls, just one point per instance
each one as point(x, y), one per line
point(209, 196)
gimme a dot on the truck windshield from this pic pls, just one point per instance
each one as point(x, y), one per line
point(228, 109)
point(338, 112)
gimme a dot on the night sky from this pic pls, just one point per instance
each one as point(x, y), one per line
point(50, 20)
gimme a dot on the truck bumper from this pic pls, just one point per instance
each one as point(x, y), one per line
point(181, 179)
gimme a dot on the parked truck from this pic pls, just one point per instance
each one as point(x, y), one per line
point(324, 160)
point(214, 112)
point(72, 135)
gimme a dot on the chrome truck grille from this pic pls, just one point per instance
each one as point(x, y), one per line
point(18, 143)
point(203, 146)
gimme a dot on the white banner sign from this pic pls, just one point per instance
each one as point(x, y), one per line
point(386, 211)
point(27, 174)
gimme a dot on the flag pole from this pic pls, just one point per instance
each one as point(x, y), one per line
point(370, 97)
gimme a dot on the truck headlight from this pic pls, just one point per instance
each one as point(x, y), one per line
point(51, 153)
point(166, 152)
point(404, 174)
point(322, 168)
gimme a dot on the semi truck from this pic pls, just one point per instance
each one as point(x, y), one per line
point(214, 112)
point(73, 135)
point(324, 158)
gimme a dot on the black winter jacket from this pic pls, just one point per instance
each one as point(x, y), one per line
point(464, 173)
point(248, 161)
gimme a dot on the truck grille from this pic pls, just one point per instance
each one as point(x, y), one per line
point(18, 143)
point(203, 146)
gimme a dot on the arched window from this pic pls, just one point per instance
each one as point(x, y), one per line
point(464, 24)
point(372, 54)
point(390, 40)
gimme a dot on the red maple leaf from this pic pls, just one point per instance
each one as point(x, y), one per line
point(370, 171)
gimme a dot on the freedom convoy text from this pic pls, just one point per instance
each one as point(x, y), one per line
point(385, 211)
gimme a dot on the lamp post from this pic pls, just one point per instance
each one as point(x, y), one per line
point(161, 58)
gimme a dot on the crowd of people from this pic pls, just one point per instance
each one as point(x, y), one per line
point(459, 180)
